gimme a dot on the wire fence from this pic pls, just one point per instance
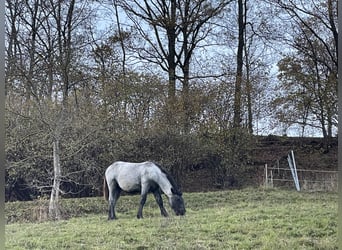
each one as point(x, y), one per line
point(310, 180)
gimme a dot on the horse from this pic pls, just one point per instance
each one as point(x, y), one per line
point(145, 177)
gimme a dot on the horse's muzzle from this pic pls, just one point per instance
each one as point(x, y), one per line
point(180, 213)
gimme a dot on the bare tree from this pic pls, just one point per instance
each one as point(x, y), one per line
point(239, 63)
point(314, 42)
point(178, 28)
point(40, 61)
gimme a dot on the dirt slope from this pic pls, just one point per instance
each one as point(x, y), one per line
point(310, 154)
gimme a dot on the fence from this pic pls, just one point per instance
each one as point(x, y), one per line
point(312, 180)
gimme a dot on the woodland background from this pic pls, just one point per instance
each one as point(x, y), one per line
point(188, 84)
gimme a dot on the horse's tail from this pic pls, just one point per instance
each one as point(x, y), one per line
point(105, 189)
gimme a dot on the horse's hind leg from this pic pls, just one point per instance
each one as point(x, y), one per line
point(159, 201)
point(114, 195)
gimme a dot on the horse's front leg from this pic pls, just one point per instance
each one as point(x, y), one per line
point(159, 201)
point(142, 203)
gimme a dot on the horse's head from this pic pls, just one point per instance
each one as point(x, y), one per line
point(177, 202)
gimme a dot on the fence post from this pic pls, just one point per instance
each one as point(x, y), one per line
point(292, 164)
point(266, 177)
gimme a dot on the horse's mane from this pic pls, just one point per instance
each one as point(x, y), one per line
point(170, 179)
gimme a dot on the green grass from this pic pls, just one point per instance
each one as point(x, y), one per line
point(239, 219)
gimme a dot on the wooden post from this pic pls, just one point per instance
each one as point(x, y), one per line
point(266, 177)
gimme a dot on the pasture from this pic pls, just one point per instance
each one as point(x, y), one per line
point(235, 219)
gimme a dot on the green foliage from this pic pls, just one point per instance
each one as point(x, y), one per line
point(240, 219)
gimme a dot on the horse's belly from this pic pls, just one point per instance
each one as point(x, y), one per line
point(129, 184)
point(130, 187)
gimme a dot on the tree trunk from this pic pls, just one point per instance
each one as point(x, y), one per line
point(123, 49)
point(186, 100)
point(239, 68)
point(248, 80)
point(171, 33)
point(249, 95)
point(333, 26)
point(54, 210)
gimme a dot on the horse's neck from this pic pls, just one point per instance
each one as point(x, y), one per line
point(165, 185)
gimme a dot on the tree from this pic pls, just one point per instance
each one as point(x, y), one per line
point(178, 28)
point(239, 64)
point(194, 29)
point(121, 36)
point(41, 72)
point(313, 64)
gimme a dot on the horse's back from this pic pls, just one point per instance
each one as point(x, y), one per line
point(128, 175)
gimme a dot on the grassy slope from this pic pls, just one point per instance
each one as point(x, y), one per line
point(239, 219)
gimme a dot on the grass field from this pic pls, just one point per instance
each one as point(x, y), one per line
point(238, 219)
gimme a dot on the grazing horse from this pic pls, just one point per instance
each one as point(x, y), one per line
point(142, 177)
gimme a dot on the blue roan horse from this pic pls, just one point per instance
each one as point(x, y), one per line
point(142, 177)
